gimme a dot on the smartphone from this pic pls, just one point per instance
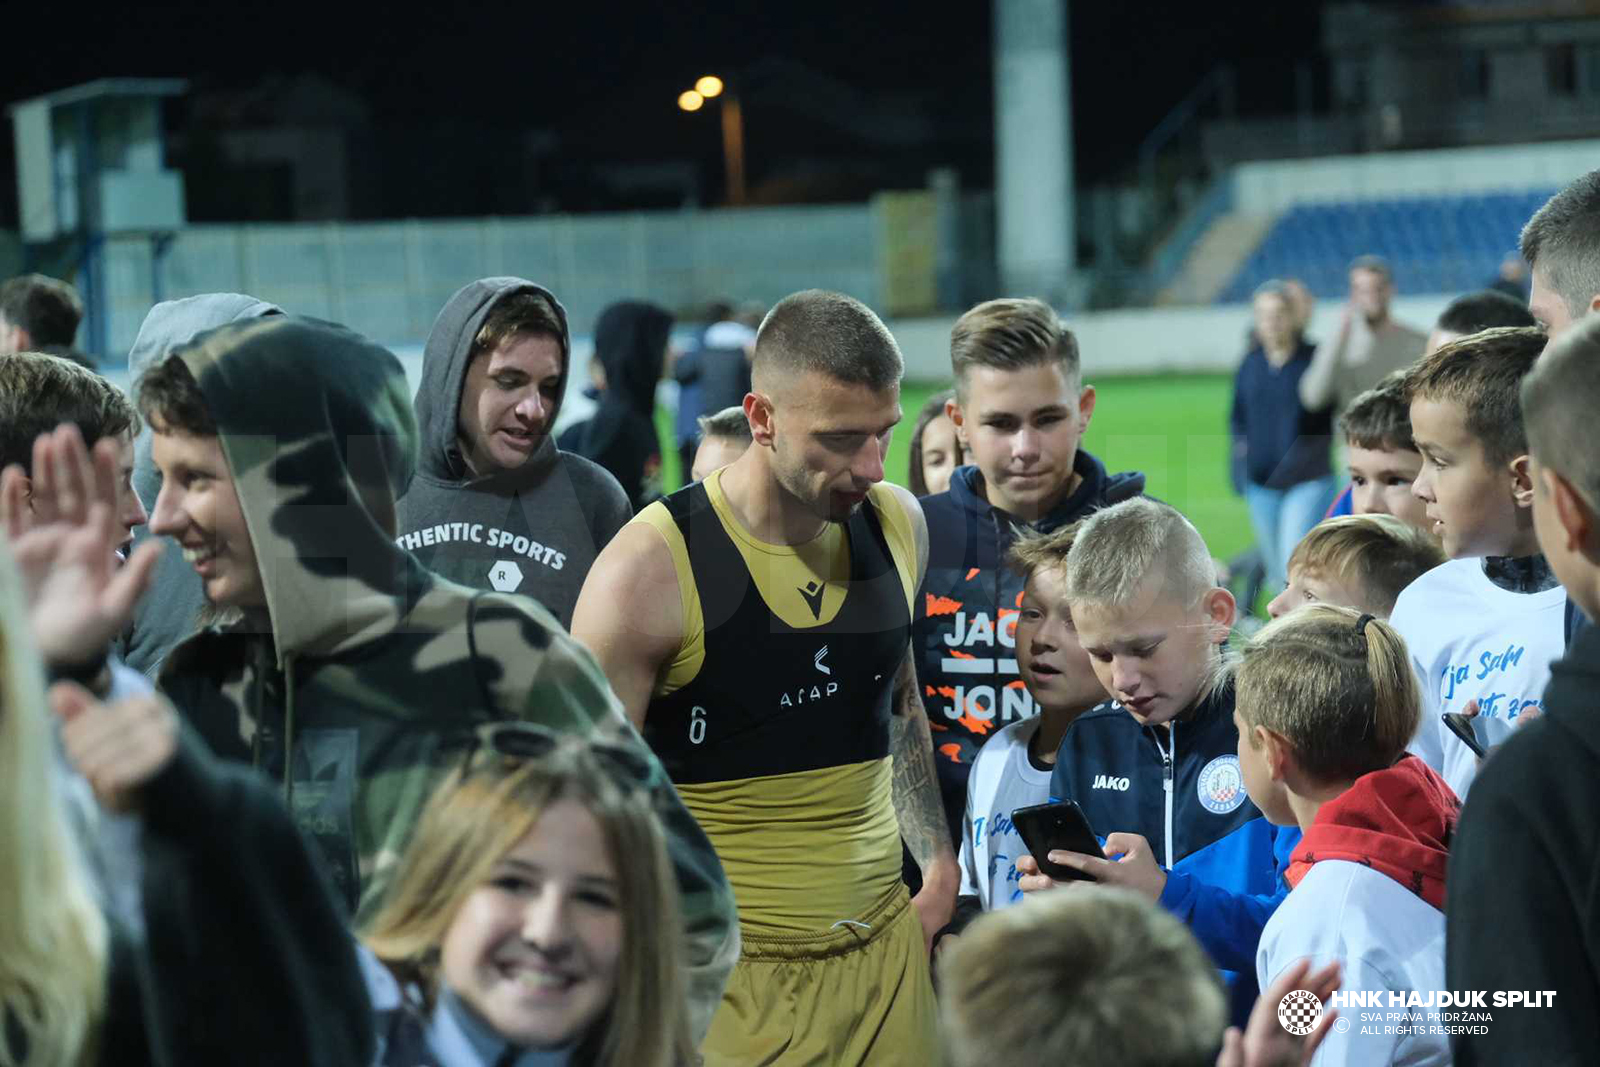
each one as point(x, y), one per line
point(1062, 827)
point(1478, 732)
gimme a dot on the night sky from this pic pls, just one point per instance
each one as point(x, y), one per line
point(602, 78)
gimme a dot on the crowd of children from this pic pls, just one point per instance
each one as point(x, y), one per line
point(361, 814)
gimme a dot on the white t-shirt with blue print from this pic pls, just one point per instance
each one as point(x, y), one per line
point(1003, 779)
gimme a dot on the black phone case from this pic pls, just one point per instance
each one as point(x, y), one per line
point(1461, 726)
point(1063, 827)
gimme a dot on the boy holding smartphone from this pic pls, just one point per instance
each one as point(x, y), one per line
point(1158, 769)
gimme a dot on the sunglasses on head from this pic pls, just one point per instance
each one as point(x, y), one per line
point(524, 741)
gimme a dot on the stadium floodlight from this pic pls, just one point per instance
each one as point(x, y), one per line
point(690, 100)
point(709, 86)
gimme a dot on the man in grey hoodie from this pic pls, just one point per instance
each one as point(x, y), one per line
point(494, 503)
point(175, 606)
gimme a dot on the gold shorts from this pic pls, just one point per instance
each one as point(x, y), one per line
point(850, 996)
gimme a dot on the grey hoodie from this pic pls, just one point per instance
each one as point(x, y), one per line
point(171, 610)
point(535, 530)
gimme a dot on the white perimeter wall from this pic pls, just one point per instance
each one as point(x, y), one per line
point(1271, 187)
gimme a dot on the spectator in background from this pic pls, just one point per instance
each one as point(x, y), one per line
point(936, 449)
point(1562, 245)
point(1476, 311)
point(1512, 279)
point(1303, 303)
point(1281, 444)
point(712, 376)
point(630, 344)
point(690, 406)
point(1367, 345)
point(723, 439)
point(40, 314)
point(495, 504)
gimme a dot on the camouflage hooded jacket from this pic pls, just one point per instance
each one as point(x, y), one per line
point(367, 676)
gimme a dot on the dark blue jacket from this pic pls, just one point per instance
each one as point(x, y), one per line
point(966, 663)
point(1186, 796)
point(1283, 444)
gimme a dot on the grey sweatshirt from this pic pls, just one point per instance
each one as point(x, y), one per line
point(534, 530)
point(171, 610)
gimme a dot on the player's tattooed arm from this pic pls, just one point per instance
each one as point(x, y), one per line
point(916, 784)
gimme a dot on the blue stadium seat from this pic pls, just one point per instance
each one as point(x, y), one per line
point(1434, 244)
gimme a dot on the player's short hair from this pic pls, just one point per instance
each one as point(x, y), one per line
point(1092, 975)
point(1481, 310)
point(1378, 555)
point(49, 309)
point(1380, 417)
point(1011, 334)
point(39, 392)
point(1559, 398)
point(1482, 374)
point(830, 334)
point(1562, 241)
point(731, 422)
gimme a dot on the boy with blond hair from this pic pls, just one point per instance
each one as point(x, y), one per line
point(1325, 705)
point(1013, 769)
point(1483, 628)
point(1158, 769)
point(1357, 561)
point(1523, 877)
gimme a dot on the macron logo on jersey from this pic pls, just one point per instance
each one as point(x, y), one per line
point(1106, 781)
point(812, 594)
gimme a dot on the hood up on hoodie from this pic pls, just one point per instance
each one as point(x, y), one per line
point(375, 673)
point(444, 375)
point(1398, 821)
point(175, 605)
point(534, 529)
point(317, 429)
point(630, 341)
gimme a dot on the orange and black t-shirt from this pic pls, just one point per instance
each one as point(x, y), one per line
point(773, 716)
